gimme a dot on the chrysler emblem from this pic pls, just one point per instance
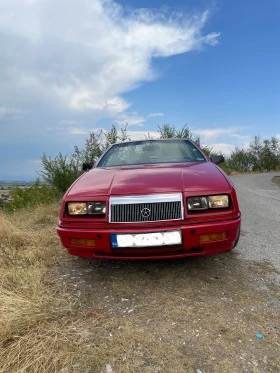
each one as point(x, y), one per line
point(145, 212)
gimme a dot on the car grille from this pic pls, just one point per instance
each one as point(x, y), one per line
point(146, 208)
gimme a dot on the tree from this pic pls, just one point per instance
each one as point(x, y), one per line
point(261, 155)
point(61, 171)
point(92, 150)
point(168, 131)
point(240, 160)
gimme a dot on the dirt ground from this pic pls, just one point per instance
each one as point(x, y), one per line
point(209, 314)
point(62, 314)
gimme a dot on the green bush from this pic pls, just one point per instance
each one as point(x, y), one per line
point(35, 195)
point(225, 167)
point(261, 155)
point(60, 172)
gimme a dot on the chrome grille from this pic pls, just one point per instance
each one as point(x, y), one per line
point(150, 208)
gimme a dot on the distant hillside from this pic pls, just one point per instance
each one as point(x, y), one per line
point(15, 182)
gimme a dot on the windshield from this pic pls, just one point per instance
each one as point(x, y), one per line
point(151, 152)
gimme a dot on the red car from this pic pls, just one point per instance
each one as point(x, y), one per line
point(150, 199)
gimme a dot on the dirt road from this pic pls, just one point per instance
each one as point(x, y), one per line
point(259, 200)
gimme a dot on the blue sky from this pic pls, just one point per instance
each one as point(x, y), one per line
point(74, 66)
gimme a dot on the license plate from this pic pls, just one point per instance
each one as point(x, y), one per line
point(166, 238)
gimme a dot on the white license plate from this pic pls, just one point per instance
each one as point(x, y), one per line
point(166, 238)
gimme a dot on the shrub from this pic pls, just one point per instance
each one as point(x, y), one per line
point(35, 195)
point(61, 171)
point(259, 156)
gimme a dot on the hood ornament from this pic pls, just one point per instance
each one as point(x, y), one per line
point(145, 212)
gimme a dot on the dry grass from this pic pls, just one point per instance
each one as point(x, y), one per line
point(31, 313)
point(61, 314)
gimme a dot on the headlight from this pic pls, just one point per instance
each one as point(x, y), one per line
point(96, 208)
point(77, 208)
point(218, 202)
point(197, 203)
point(208, 202)
point(86, 208)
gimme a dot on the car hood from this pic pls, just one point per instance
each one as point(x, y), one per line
point(194, 178)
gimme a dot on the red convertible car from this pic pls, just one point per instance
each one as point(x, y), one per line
point(150, 199)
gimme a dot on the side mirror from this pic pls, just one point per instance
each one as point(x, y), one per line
point(87, 166)
point(217, 158)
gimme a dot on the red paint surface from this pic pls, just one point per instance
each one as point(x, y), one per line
point(195, 178)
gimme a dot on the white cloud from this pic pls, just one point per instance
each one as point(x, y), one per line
point(224, 148)
point(208, 134)
point(130, 119)
point(223, 140)
point(141, 135)
point(10, 113)
point(213, 133)
point(77, 131)
point(76, 59)
point(152, 115)
point(84, 54)
point(133, 119)
point(86, 99)
point(34, 161)
point(68, 122)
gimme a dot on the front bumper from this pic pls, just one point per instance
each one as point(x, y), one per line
point(191, 243)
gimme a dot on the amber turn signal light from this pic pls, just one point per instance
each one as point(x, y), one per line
point(213, 237)
point(82, 242)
